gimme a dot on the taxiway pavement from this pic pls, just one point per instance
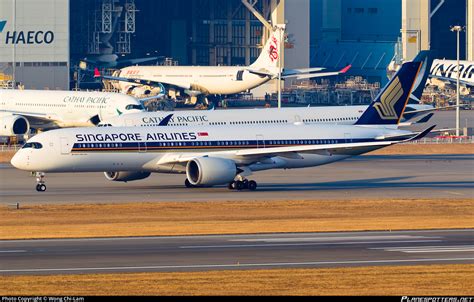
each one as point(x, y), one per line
point(223, 252)
point(363, 177)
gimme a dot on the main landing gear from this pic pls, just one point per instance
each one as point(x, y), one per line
point(238, 185)
point(40, 184)
point(243, 185)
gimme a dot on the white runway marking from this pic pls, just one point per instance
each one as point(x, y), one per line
point(234, 265)
point(429, 249)
point(298, 244)
point(13, 251)
point(306, 239)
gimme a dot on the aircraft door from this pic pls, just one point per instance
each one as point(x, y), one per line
point(142, 147)
point(65, 145)
point(260, 141)
point(240, 75)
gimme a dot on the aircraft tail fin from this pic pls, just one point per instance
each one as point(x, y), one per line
point(268, 58)
point(426, 58)
point(390, 103)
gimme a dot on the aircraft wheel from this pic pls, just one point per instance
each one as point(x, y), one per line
point(252, 185)
point(188, 184)
point(239, 185)
point(231, 185)
point(40, 187)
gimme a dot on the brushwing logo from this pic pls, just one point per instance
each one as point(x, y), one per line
point(2, 25)
point(386, 107)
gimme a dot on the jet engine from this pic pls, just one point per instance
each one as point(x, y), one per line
point(209, 171)
point(13, 125)
point(126, 176)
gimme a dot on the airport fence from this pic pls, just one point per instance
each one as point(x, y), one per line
point(444, 140)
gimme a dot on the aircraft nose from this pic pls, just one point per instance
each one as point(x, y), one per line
point(17, 160)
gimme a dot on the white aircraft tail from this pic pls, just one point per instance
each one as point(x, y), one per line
point(268, 58)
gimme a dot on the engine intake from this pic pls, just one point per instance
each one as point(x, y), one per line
point(13, 125)
point(126, 176)
point(209, 171)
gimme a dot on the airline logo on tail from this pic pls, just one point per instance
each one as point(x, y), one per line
point(386, 107)
point(273, 51)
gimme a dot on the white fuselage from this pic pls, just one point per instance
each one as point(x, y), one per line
point(342, 115)
point(159, 149)
point(219, 80)
point(47, 109)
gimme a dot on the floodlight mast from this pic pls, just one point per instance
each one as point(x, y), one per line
point(457, 29)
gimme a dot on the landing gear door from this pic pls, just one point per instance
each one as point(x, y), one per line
point(65, 145)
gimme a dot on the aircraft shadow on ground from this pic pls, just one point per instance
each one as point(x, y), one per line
point(355, 184)
point(368, 183)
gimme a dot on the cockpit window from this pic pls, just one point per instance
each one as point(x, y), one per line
point(134, 106)
point(33, 145)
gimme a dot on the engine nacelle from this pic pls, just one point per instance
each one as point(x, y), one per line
point(126, 176)
point(13, 125)
point(209, 171)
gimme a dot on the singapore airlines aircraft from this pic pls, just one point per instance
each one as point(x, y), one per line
point(214, 80)
point(344, 115)
point(446, 70)
point(49, 109)
point(219, 155)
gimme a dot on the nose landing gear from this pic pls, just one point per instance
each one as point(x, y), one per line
point(40, 183)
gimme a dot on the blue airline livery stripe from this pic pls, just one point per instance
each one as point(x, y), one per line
point(242, 144)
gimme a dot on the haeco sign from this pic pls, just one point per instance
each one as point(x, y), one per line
point(27, 37)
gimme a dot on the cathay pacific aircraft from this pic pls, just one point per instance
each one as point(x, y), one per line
point(343, 115)
point(215, 155)
point(50, 109)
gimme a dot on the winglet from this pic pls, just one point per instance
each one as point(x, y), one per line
point(96, 73)
point(425, 118)
point(165, 120)
point(421, 134)
point(345, 69)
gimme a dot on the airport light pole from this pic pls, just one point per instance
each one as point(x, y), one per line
point(457, 29)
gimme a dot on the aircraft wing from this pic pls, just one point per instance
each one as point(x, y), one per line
point(35, 118)
point(424, 119)
point(139, 81)
point(304, 73)
point(308, 73)
point(407, 137)
point(412, 113)
point(453, 81)
point(257, 154)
